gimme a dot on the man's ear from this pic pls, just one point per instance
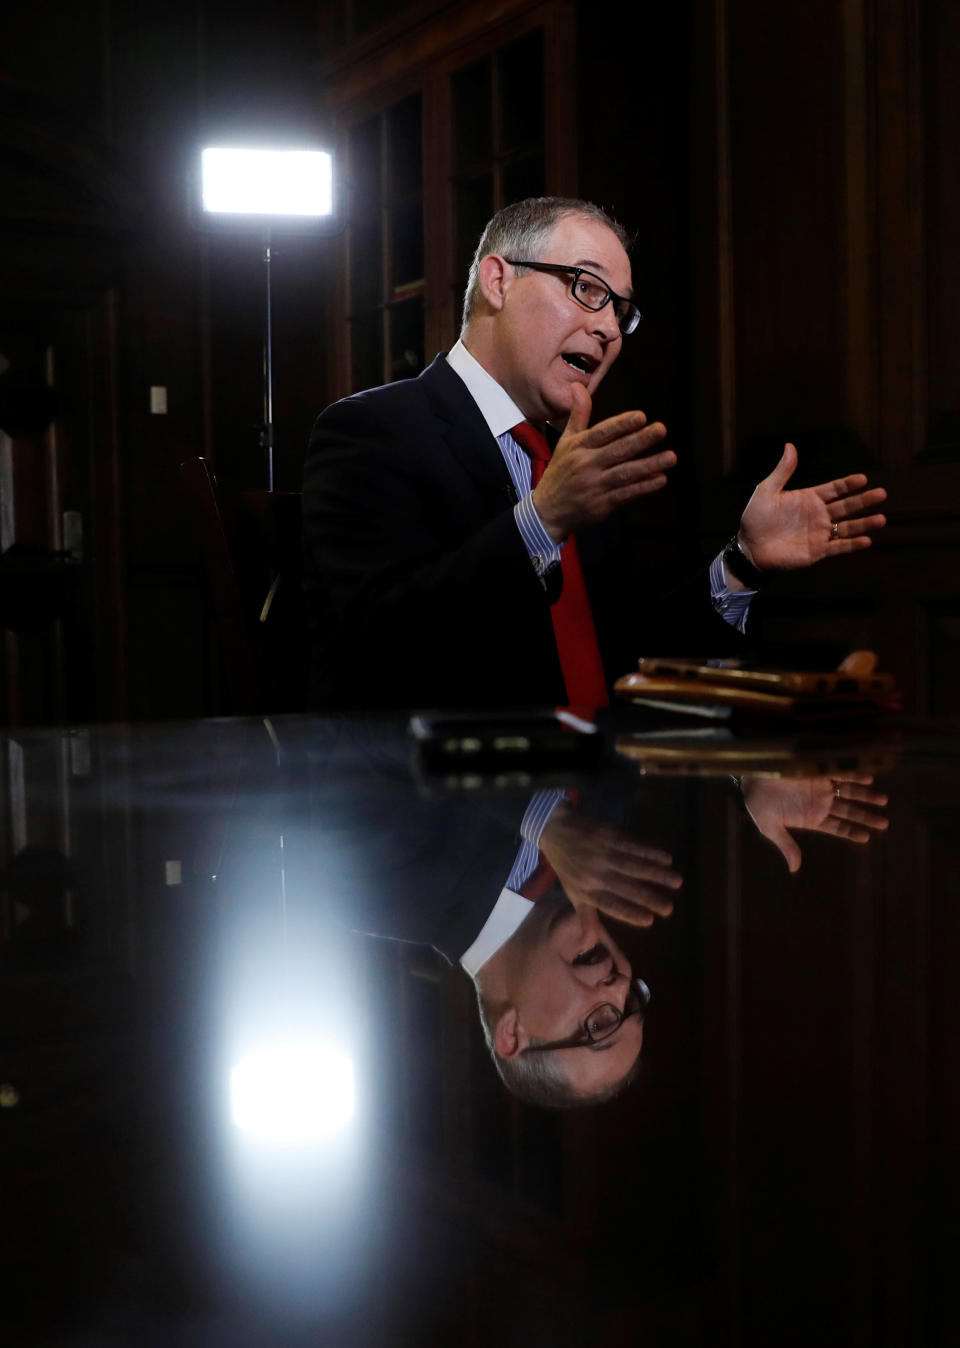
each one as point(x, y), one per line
point(509, 1038)
point(492, 277)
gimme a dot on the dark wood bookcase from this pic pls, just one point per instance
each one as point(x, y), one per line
point(442, 118)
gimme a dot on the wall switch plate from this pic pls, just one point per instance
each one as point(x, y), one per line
point(73, 534)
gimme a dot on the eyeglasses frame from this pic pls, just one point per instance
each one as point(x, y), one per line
point(583, 1038)
point(558, 269)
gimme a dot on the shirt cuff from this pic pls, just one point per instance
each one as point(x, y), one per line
point(536, 818)
point(543, 552)
point(732, 605)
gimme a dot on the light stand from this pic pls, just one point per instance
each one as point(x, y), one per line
point(266, 434)
point(266, 190)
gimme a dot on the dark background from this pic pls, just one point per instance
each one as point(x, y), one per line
point(788, 171)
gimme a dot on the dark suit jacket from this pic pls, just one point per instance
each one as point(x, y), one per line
point(418, 586)
point(394, 864)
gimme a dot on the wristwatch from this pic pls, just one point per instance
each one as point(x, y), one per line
point(736, 561)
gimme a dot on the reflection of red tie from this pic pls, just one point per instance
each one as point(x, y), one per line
point(537, 884)
point(573, 627)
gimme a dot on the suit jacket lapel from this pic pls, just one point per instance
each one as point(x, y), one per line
point(466, 432)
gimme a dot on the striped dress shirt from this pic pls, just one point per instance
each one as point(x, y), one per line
point(511, 907)
point(501, 413)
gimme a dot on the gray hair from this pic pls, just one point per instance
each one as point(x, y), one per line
point(522, 229)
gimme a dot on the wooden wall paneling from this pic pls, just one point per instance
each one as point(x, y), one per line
point(781, 271)
point(899, 651)
point(824, 207)
point(786, 88)
point(714, 334)
point(808, 969)
point(437, 212)
point(461, 1037)
point(9, 829)
point(914, 580)
point(172, 648)
point(238, 306)
point(206, 446)
point(385, 256)
point(10, 673)
point(915, 1172)
point(107, 545)
point(940, 41)
point(940, 1188)
point(371, 75)
point(370, 104)
point(890, 599)
point(719, 835)
point(69, 446)
point(871, 866)
point(360, 73)
point(803, 1120)
point(901, 367)
point(83, 674)
point(937, 640)
point(562, 57)
point(838, 621)
point(859, 294)
point(558, 22)
point(51, 445)
point(729, 1069)
point(32, 674)
point(337, 337)
point(304, 286)
point(902, 1081)
point(23, 522)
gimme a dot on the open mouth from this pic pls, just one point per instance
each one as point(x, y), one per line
point(580, 362)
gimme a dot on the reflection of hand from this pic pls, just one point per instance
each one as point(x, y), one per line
point(602, 867)
point(846, 808)
point(597, 469)
point(781, 530)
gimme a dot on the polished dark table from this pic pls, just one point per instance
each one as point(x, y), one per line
point(197, 920)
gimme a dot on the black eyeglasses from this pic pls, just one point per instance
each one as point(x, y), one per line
point(590, 291)
point(603, 1020)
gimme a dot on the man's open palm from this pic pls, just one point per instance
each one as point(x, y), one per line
point(782, 530)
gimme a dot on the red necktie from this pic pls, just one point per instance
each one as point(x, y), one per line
point(573, 627)
point(537, 884)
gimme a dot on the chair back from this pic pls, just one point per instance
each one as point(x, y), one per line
point(250, 549)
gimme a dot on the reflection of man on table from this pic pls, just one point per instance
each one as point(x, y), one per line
point(460, 532)
point(847, 806)
point(561, 1011)
point(516, 889)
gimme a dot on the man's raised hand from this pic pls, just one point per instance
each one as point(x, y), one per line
point(846, 807)
point(595, 470)
point(782, 530)
point(600, 866)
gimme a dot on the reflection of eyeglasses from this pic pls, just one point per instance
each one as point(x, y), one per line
point(603, 1020)
point(590, 291)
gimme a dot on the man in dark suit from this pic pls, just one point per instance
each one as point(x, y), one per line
point(461, 546)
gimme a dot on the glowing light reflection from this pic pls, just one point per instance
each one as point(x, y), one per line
point(292, 1093)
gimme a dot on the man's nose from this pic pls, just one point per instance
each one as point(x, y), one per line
point(603, 974)
point(605, 325)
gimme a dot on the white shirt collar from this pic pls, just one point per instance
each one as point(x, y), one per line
point(499, 410)
point(508, 912)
